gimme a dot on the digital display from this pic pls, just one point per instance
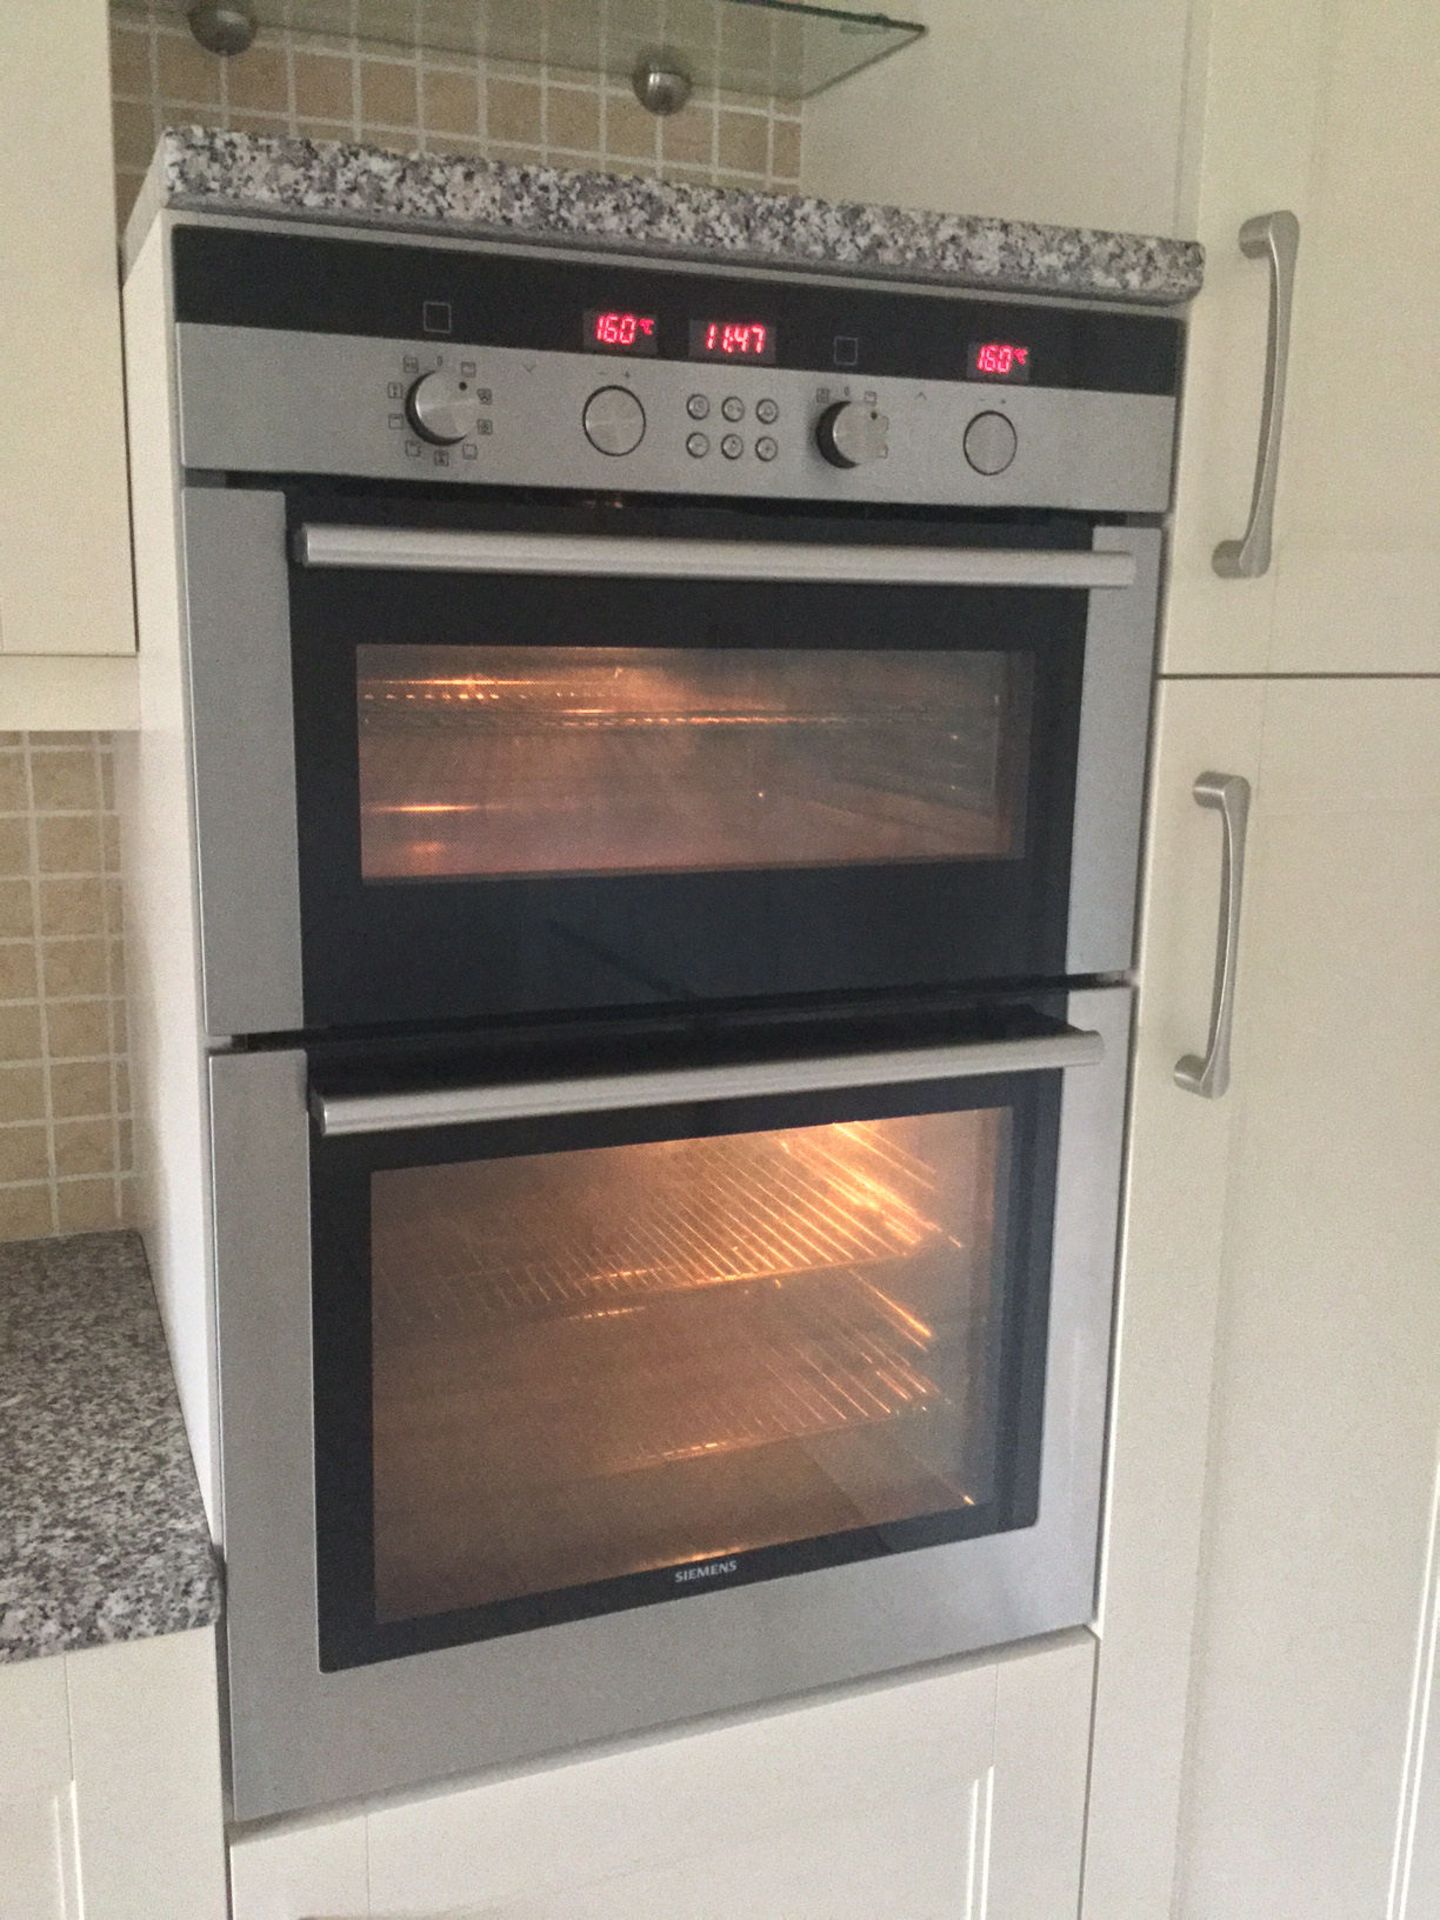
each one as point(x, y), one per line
point(611, 330)
point(733, 340)
point(998, 360)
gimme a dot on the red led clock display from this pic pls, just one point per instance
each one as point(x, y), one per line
point(732, 340)
point(999, 360)
point(610, 330)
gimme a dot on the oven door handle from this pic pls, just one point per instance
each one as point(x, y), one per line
point(433, 550)
point(338, 1114)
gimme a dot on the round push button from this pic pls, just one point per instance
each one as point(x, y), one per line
point(697, 446)
point(990, 443)
point(732, 446)
point(698, 407)
point(614, 421)
point(733, 407)
point(766, 447)
point(767, 412)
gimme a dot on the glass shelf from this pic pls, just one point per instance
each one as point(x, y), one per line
point(788, 49)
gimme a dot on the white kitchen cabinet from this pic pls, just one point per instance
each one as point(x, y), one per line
point(110, 1801)
point(1326, 108)
point(66, 601)
point(956, 1795)
point(1173, 1230)
point(1299, 1217)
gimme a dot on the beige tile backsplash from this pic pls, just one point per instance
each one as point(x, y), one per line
point(412, 99)
point(65, 1132)
point(65, 1155)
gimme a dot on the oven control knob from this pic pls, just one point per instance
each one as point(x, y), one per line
point(614, 420)
point(990, 443)
point(442, 407)
point(852, 435)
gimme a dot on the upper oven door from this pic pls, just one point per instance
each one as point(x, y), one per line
point(476, 764)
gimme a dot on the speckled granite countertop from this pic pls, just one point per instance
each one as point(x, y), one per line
point(102, 1534)
point(201, 170)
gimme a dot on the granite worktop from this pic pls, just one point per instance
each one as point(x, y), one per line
point(102, 1534)
point(198, 169)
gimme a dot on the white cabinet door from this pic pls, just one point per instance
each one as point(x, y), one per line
point(1325, 107)
point(65, 585)
point(1317, 1598)
point(37, 1831)
point(953, 1796)
point(879, 1802)
point(1174, 1222)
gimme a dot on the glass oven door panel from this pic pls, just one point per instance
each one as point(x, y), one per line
point(485, 761)
point(594, 1375)
point(534, 793)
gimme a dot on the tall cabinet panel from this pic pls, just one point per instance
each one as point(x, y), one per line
point(1315, 1598)
point(65, 583)
point(1174, 1221)
point(1324, 108)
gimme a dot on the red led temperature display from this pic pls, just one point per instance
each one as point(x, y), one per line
point(607, 330)
point(999, 360)
point(732, 340)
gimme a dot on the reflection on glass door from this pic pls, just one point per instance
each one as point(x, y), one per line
point(599, 1362)
point(502, 761)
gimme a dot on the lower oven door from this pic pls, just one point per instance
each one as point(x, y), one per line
point(556, 1410)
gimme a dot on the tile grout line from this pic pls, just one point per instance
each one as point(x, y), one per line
point(41, 999)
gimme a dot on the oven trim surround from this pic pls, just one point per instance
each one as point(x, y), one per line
point(301, 1739)
point(239, 661)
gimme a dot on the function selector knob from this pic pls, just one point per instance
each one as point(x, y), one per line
point(442, 407)
point(614, 421)
point(990, 443)
point(852, 435)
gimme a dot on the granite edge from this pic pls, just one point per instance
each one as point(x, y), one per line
point(82, 1581)
point(279, 176)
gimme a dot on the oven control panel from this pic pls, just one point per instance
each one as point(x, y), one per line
point(258, 401)
point(474, 364)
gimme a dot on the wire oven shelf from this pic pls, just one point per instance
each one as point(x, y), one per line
point(851, 1363)
point(753, 1208)
point(626, 1388)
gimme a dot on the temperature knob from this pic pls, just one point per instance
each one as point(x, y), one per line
point(851, 435)
point(443, 409)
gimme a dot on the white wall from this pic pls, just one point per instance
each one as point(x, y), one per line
point(1063, 110)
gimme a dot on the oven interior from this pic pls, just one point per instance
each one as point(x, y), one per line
point(597, 1362)
point(483, 760)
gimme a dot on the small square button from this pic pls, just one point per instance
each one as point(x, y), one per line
point(397, 420)
point(435, 317)
point(468, 368)
point(471, 451)
point(412, 449)
point(395, 390)
point(487, 427)
point(847, 350)
point(410, 363)
point(483, 397)
point(442, 459)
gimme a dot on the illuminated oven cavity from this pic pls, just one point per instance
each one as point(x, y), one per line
point(487, 761)
point(601, 1362)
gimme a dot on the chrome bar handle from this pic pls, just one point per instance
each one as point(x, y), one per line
point(444, 550)
point(1274, 237)
point(467, 1106)
point(1229, 795)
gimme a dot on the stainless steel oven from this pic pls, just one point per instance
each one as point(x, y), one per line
point(665, 753)
point(573, 1389)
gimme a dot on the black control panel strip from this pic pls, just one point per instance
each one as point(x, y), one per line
point(364, 286)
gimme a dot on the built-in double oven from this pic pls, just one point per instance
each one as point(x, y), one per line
point(662, 961)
